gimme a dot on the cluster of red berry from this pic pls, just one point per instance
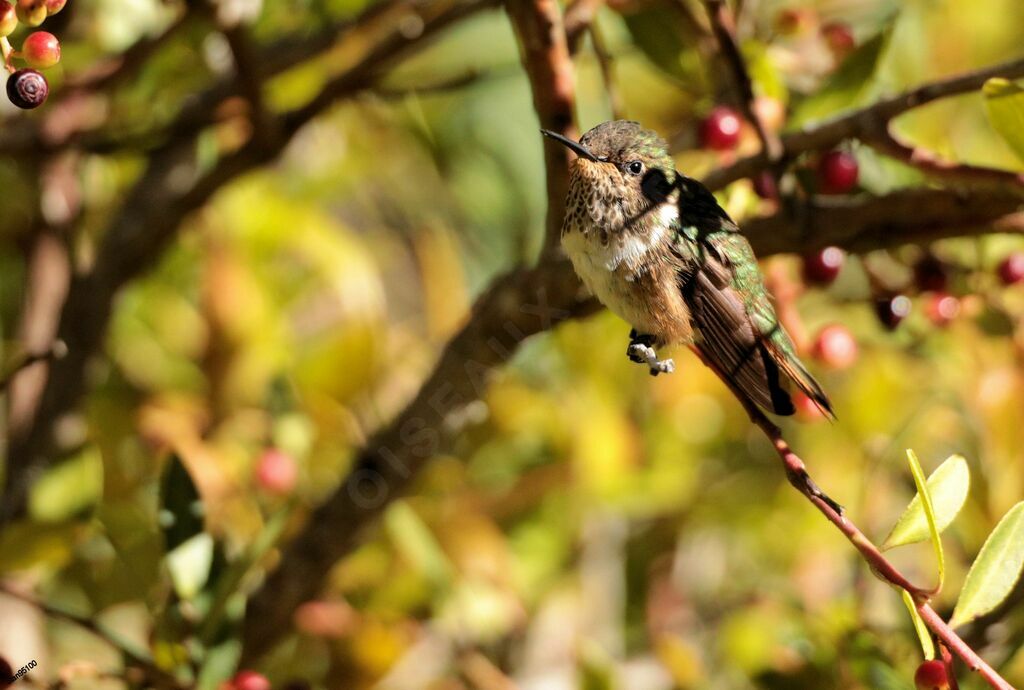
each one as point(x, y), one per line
point(837, 171)
point(26, 87)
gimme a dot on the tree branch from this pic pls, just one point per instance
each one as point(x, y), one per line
point(133, 656)
point(865, 122)
point(523, 303)
point(148, 220)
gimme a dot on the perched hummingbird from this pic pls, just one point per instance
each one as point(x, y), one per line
point(656, 248)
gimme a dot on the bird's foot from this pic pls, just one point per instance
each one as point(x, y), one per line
point(641, 353)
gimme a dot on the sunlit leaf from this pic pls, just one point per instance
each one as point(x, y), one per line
point(416, 542)
point(189, 565)
point(1004, 103)
point(846, 87)
point(929, 513)
point(995, 571)
point(947, 488)
point(923, 634)
point(68, 488)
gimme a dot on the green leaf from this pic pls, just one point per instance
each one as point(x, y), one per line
point(668, 43)
point(417, 544)
point(923, 634)
point(929, 513)
point(947, 488)
point(847, 87)
point(1004, 103)
point(189, 565)
point(995, 571)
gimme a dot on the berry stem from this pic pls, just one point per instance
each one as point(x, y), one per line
point(947, 660)
point(9, 53)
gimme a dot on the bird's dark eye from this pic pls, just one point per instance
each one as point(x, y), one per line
point(636, 167)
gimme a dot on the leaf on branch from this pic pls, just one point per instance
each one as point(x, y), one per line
point(847, 87)
point(995, 571)
point(947, 489)
point(923, 634)
point(417, 544)
point(1004, 103)
point(923, 499)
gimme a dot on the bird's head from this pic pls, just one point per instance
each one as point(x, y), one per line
point(622, 162)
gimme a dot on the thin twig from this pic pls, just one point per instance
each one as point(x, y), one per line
point(135, 656)
point(724, 28)
point(579, 16)
point(604, 61)
point(55, 351)
point(796, 472)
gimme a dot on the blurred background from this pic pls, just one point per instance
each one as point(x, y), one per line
point(239, 236)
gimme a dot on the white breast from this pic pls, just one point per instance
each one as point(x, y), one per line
point(609, 270)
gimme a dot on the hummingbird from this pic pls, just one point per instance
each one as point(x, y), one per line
point(656, 248)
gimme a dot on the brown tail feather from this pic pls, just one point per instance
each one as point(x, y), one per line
point(804, 380)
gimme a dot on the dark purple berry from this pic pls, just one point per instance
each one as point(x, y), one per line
point(892, 310)
point(1011, 269)
point(931, 273)
point(27, 89)
point(765, 187)
point(837, 172)
point(823, 266)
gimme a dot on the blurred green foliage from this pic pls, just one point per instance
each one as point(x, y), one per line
point(591, 527)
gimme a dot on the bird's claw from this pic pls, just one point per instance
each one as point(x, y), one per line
point(645, 354)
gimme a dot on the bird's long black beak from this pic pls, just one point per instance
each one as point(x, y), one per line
point(575, 146)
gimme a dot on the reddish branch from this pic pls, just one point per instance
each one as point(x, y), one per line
point(796, 473)
point(930, 164)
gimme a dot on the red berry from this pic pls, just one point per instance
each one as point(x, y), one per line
point(942, 308)
point(823, 266)
point(31, 12)
point(892, 310)
point(931, 273)
point(41, 50)
point(931, 675)
point(276, 472)
point(1011, 269)
point(8, 19)
point(250, 680)
point(54, 6)
point(27, 88)
point(806, 409)
point(840, 39)
point(721, 129)
point(794, 21)
point(837, 172)
point(765, 187)
point(836, 347)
